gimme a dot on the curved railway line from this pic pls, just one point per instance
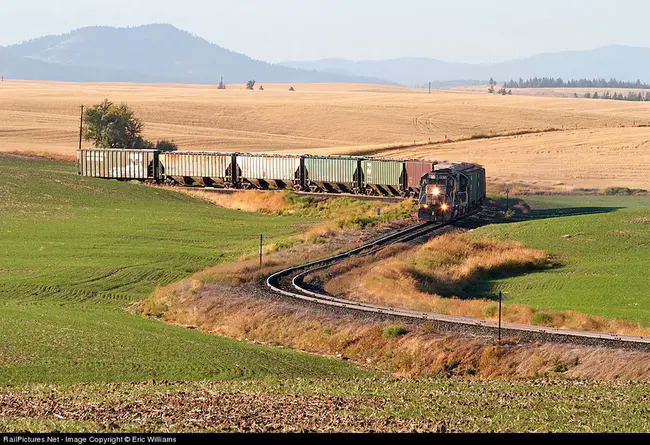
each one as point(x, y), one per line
point(290, 283)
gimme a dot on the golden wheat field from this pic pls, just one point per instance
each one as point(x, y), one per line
point(599, 143)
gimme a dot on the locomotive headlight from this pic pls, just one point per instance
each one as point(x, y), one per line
point(444, 207)
point(425, 206)
point(436, 191)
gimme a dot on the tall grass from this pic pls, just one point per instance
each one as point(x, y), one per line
point(339, 213)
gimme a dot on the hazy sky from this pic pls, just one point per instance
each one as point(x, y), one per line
point(277, 30)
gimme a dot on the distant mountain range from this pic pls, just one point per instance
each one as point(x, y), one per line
point(621, 62)
point(164, 54)
point(150, 53)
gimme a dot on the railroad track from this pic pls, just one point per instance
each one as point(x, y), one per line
point(224, 191)
point(290, 283)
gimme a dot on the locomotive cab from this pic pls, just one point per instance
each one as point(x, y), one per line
point(436, 202)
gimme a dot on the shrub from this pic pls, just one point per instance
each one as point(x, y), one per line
point(394, 331)
point(542, 318)
point(165, 145)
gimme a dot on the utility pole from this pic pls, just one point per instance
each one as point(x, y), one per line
point(261, 247)
point(507, 199)
point(429, 87)
point(500, 299)
point(81, 126)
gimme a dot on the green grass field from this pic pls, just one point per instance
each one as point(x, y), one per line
point(75, 252)
point(603, 246)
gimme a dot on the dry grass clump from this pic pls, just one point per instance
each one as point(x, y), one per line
point(448, 264)
point(444, 266)
point(642, 220)
point(247, 200)
point(405, 350)
point(338, 214)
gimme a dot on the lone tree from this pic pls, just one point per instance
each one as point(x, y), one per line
point(221, 86)
point(250, 85)
point(293, 89)
point(115, 126)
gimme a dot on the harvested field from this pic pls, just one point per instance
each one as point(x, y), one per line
point(43, 117)
point(378, 405)
point(593, 158)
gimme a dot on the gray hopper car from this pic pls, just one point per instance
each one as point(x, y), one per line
point(351, 174)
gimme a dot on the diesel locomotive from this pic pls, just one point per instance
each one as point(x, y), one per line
point(454, 189)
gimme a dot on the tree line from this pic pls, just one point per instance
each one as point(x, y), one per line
point(551, 82)
point(631, 96)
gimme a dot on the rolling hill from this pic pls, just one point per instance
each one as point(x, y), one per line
point(157, 53)
point(621, 62)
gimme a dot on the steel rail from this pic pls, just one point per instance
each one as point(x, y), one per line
point(273, 280)
point(230, 191)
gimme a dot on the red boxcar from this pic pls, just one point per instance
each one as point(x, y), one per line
point(415, 170)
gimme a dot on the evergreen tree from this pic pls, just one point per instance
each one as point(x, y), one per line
point(596, 96)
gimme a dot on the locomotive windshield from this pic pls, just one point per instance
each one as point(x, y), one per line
point(435, 189)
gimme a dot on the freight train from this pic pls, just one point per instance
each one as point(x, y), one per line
point(454, 189)
point(445, 190)
point(315, 173)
